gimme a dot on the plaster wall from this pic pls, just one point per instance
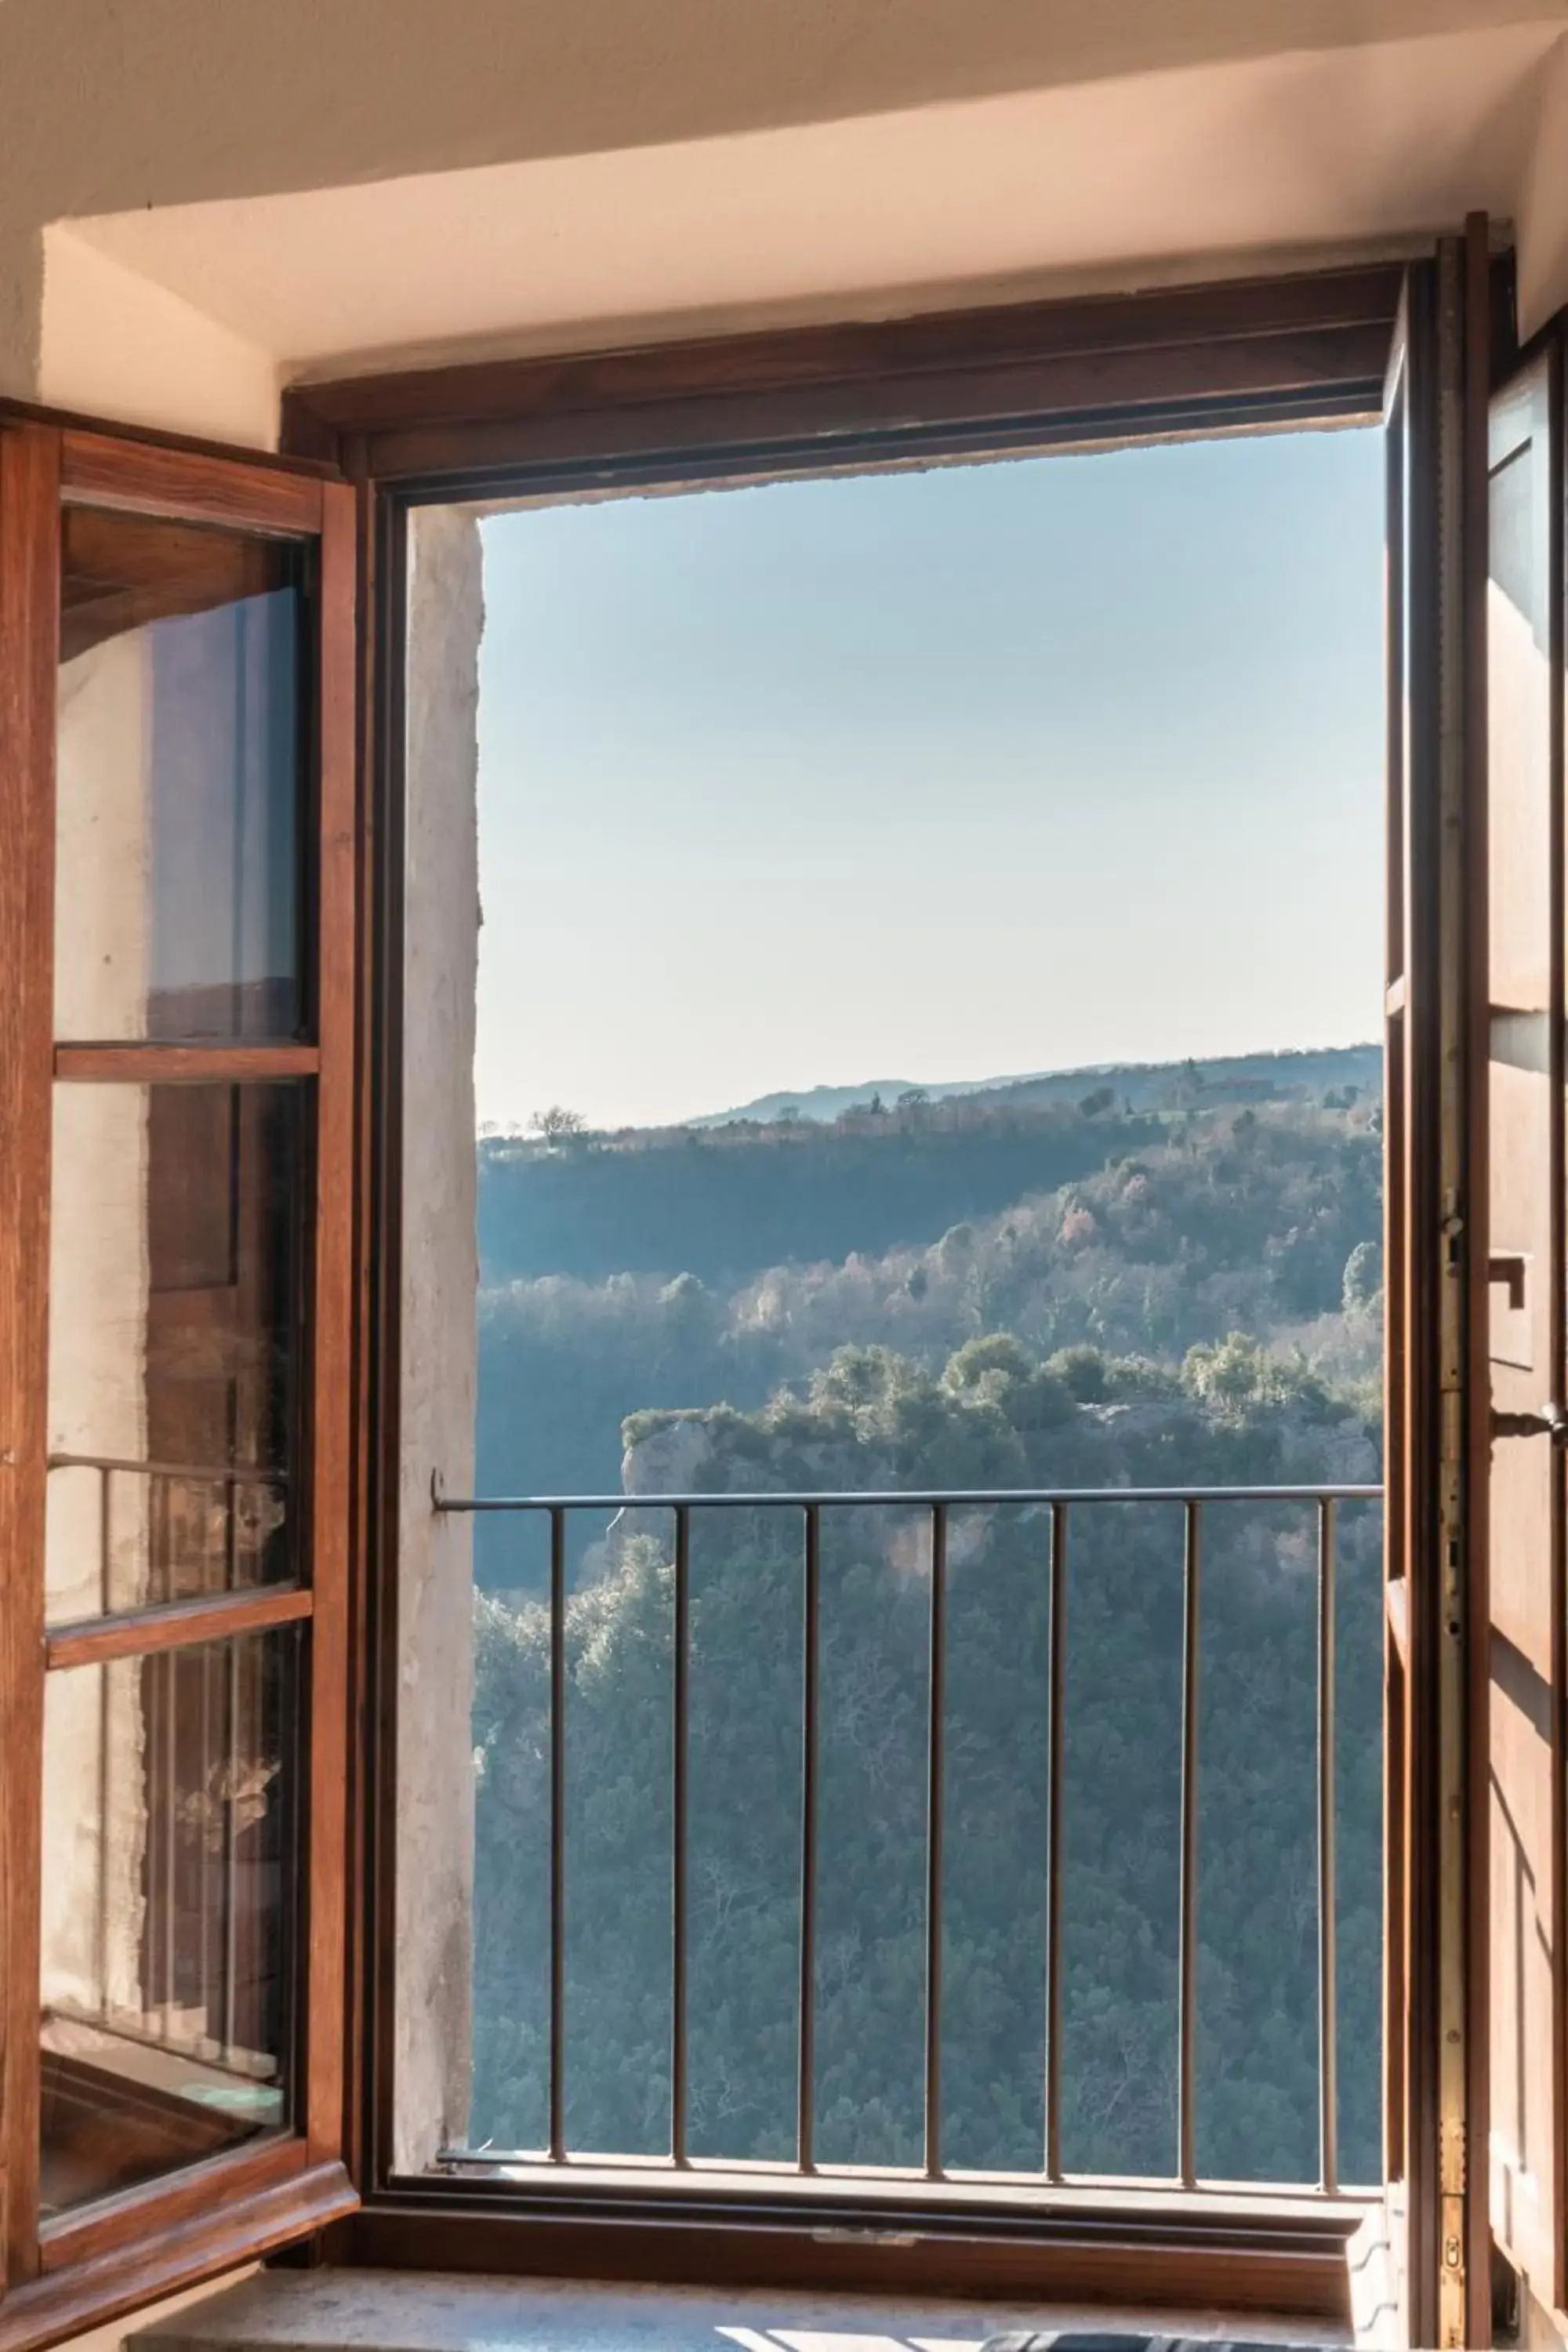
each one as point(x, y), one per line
point(184, 100)
point(1125, 179)
point(434, 1869)
point(130, 117)
point(1543, 198)
point(114, 343)
point(99, 1273)
point(113, 2337)
point(94, 1831)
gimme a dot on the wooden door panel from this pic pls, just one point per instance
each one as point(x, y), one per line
point(1525, 1206)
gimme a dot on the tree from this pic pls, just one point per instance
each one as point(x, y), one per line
point(1103, 1099)
point(1190, 1087)
point(1363, 1285)
point(993, 1415)
point(557, 1125)
point(1219, 1326)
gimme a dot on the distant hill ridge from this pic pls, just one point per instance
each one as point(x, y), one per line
point(724, 1200)
point(1146, 1084)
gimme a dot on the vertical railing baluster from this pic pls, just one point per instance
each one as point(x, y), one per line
point(211, 1657)
point(255, 1722)
point(230, 1852)
point(557, 1833)
point(101, 1922)
point(1057, 1677)
point(936, 1751)
point(1188, 2024)
point(216, 2002)
point(170, 1838)
point(159, 1587)
point(105, 1540)
point(806, 2087)
point(679, 1732)
point(1328, 2047)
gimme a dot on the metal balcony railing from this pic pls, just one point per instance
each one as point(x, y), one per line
point(174, 1771)
point(175, 1561)
point(1059, 1508)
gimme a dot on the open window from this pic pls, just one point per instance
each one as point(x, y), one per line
point(1522, 1673)
point(766, 409)
point(225, 1057)
point(175, 1091)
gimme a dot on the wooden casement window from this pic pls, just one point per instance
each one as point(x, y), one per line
point(177, 920)
point(200, 1114)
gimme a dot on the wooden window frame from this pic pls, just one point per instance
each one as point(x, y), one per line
point(84, 2266)
point(1239, 356)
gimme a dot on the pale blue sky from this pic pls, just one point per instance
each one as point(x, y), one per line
point(930, 775)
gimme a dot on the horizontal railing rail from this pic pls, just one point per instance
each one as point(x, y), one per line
point(905, 1497)
point(1057, 1503)
point(161, 1482)
point(188, 1474)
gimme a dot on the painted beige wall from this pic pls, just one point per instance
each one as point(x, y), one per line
point(111, 2339)
point(1543, 198)
point(99, 1271)
point(94, 1731)
point(118, 116)
point(182, 100)
point(115, 342)
point(1122, 181)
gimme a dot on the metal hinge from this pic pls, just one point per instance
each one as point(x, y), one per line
point(1451, 2152)
point(1452, 2297)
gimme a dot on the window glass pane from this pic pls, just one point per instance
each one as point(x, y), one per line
point(170, 1788)
point(174, 1310)
point(180, 765)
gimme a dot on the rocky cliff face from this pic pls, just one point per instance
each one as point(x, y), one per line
point(671, 1454)
point(875, 1423)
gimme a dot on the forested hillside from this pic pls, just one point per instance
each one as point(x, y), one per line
point(1168, 1233)
point(722, 1199)
point(721, 1202)
point(996, 1415)
point(1187, 1295)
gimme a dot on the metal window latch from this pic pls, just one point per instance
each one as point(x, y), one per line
point(1550, 1421)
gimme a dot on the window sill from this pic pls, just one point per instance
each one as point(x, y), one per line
point(330, 2310)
